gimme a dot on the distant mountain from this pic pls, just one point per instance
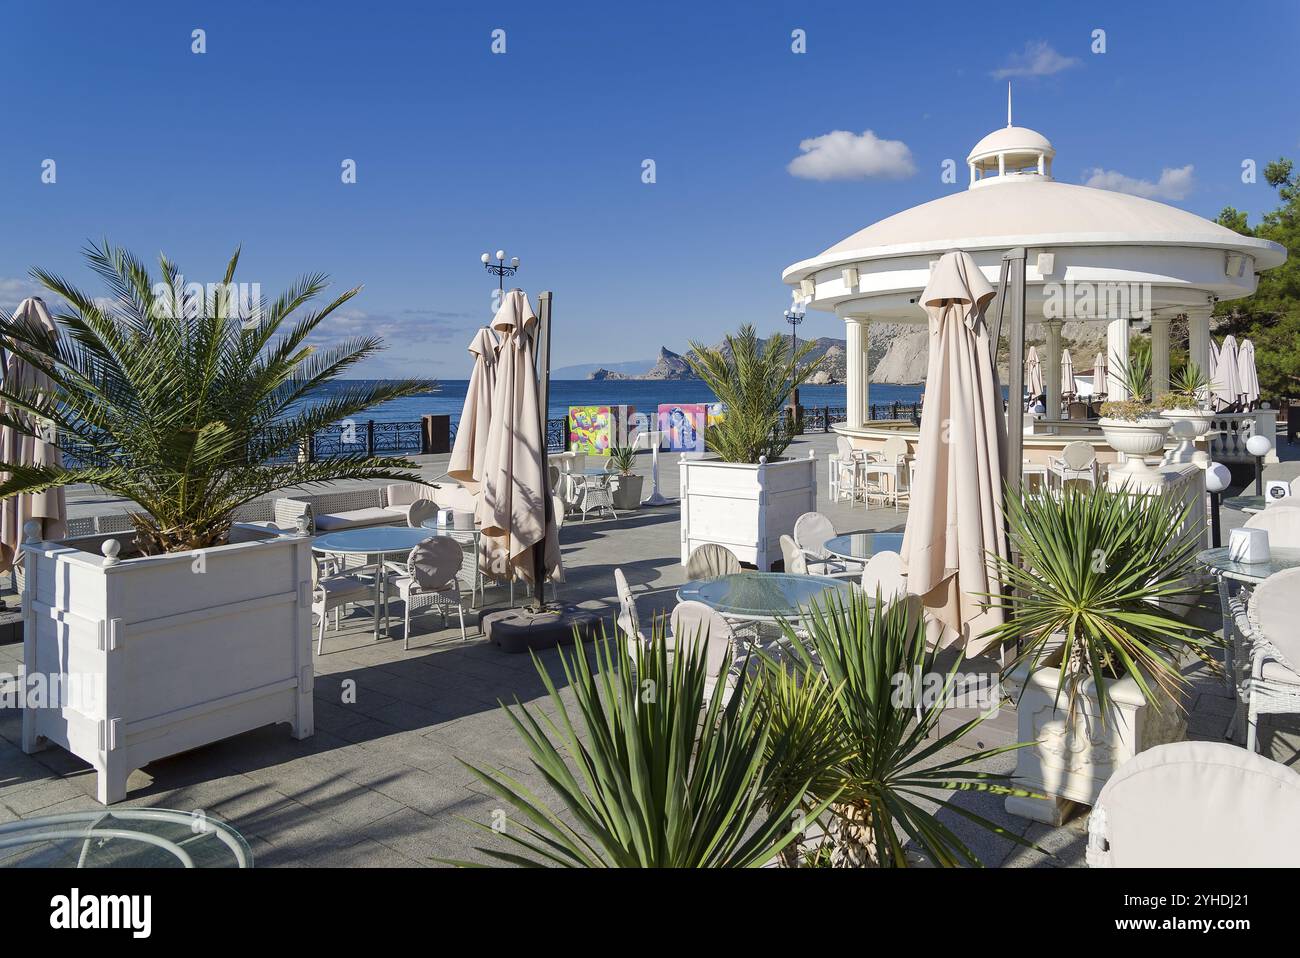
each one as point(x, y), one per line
point(635, 367)
point(668, 366)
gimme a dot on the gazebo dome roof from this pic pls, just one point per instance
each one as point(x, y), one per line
point(1011, 140)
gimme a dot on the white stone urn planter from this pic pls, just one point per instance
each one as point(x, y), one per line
point(745, 507)
point(1072, 760)
point(165, 653)
point(1136, 439)
point(1199, 422)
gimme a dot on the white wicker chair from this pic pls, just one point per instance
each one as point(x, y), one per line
point(795, 561)
point(334, 591)
point(811, 531)
point(893, 465)
point(628, 621)
point(1273, 686)
point(694, 622)
point(432, 578)
point(1078, 463)
point(1196, 805)
point(884, 573)
point(711, 561)
point(593, 493)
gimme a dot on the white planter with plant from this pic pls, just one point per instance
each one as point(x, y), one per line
point(1098, 610)
point(1134, 426)
point(1187, 401)
point(176, 635)
point(747, 496)
point(625, 485)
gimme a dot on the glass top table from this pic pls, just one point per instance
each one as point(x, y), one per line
point(124, 838)
point(1245, 503)
point(1280, 559)
point(763, 596)
point(861, 546)
point(376, 541)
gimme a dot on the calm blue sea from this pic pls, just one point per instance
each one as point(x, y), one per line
point(642, 394)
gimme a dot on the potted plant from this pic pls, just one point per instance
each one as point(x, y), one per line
point(625, 484)
point(1134, 426)
point(1188, 399)
point(179, 402)
point(747, 495)
point(1098, 609)
point(860, 697)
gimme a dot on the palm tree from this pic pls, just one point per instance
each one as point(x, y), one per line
point(753, 384)
point(180, 405)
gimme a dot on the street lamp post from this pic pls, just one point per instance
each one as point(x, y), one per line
point(500, 267)
point(794, 316)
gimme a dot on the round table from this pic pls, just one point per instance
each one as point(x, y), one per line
point(1225, 570)
point(1245, 503)
point(376, 541)
point(762, 596)
point(125, 838)
point(861, 546)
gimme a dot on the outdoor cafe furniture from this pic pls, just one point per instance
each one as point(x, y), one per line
point(1247, 504)
point(888, 479)
point(1235, 580)
point(711, 561)
point(1078, 462)
point(811, 532)
point(695, 622)
point(883, 573)
point(592, 492)
point(471, 569)
point(792, 557)
point(764, 598)
point(124, 838)
point(372, 545)
point(332, 591)
point(431, 577)
point(1273, 685)
point(1196, 805)
point(858, 547)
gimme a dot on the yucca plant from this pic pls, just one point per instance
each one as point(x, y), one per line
point(1136, 377)
point(623, 459)
point(753, 384)
point(1188, 386)
point(664, 774)
point(1095, 591)
point(169, 397)
point(851, 696)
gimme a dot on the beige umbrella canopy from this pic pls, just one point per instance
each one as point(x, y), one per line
point(17, 448)
point(1034, 373)
point(512, 504)
point(1099, 386)
point(1247, 375)
point(1226, 386)
point(1068, 386)
point(955, 517)
point(470, 450)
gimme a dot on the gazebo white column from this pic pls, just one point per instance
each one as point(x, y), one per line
point(1198, 336)
point(1116, 358)
point(856, 386)
point(1159, 355)
point(1052, 369)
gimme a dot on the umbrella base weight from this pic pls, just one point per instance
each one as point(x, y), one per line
point(520, 630)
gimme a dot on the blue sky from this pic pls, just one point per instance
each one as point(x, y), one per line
point(539, 150)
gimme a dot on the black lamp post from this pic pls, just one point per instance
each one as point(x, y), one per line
point(1217, 478)
point(500, 267)
point(794, 316)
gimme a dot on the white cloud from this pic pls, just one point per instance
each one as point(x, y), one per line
point(1174, 183)
point(1038, 60)
point(841, 155)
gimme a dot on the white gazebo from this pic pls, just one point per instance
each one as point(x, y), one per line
point(1093, 255)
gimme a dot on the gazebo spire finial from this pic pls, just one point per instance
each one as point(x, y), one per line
point(1008, 103)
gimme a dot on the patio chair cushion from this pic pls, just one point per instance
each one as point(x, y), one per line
point(353, 519)
point(1078, 456)
point(1198, 805)
point(1282, 525)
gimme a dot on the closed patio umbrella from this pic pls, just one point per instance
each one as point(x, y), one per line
point(17, 448)
point(1068, 386)
point(955, 517)
point(1033, 373)
point(515, 490)
point(1227, 386)
point(470, 449)
point(1247, 375)
point(1099, 374)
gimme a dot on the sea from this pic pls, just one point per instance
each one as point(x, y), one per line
point(643, 394)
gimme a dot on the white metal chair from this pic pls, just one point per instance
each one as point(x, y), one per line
point(432, 578)
point(695, 622)
point(628, 621)
point(593, 493)
point(1274, 683)
point(795, 561)
point(711, 561)
point(1078, 463)
point(845, 477)
point(811, 531)
point(884, 572)
point(334, 591)
point(1196, 805)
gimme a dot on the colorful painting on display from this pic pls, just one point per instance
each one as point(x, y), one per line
point(594, 430)
point(715, 415)
point(682, 426)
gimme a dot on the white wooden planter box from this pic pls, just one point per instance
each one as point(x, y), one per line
point(1071, 761)
point(746, 508)
point(180, 650)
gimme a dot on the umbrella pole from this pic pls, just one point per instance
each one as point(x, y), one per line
point(1012, 294)
point(543, 356)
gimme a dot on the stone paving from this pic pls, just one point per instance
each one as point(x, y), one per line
point(381, 782)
